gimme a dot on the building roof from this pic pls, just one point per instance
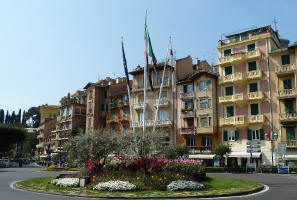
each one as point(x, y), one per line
point(280, 50)
point(196, 75)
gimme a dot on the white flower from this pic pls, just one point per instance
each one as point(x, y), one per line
point(66, 182)
point(115, 186)
point(184, 185)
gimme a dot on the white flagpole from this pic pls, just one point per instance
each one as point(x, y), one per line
point(160, 92)
point(144, 74)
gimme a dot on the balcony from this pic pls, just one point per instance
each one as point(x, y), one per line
point(188, 114)
point(239, 99)
point(150, 123)
point(255, 96)
point(256, 119)
point(287, 93)
point(139, 106)
point(187, 95)
point(288, 117)
point(286, 69)
point(240, 57)
point(291, 144)
point(253, 75)
point(188, 131)
point(237, 121)
point(162, 103)
point(232, 78)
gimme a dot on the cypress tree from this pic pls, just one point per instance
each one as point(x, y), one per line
point(7, 117)
point(13, 118)
point(1, 116)
point(19, 116)
point(24, 119)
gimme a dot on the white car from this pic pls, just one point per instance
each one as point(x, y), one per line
point(6, 161)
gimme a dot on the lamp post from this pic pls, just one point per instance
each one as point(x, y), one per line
point(274, 137)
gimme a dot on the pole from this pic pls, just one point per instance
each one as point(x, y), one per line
point(161, 87)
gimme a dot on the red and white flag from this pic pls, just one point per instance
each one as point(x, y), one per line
point(172, 64)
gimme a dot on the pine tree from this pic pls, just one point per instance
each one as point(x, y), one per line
point(1, 116)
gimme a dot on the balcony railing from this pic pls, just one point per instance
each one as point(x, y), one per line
point(291, 144)
point(187, 95)
point(287, 93)
point(284, 69)
point(232, 78)
point(188, 114)
point(162, 103)
point(289, 116)
point(139, 105)
point(251, 96)
point(240, 56)
point(256, 119)
point(254, 74)
point(150, 123)
point(236, 98)
point(188, 131)
point(238, 121)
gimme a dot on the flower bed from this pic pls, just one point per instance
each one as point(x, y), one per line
point(115, 186)
point(66, 182)
point(184, 185)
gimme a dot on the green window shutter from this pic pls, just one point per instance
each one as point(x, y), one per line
point(252, 66)
point(262, 134)
point(251, 47)
point(249, 134)
point(225, 136)
point(228, 70)
point(227, 52)
point(285, 59)
point(236, 135)
point(253, 87)
point(254, 109)
point(287, 84)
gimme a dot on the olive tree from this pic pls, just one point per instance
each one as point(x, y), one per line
point(220, 150)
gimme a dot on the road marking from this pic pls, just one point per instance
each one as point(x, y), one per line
point(266, 188)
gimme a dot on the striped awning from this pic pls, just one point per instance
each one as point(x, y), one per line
point(243, 155)
point(202, 156)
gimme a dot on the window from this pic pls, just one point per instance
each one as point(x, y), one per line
point(289, 105)
point(140, 116)
point(253, 87)
point(229, 90)
point(252, 66)
point(210, 121)
point(188, 88)
point(203, 103)
point(231, 135)
point(69, 110)
point(287, 84)
point(251, 47)
point(162, 115)
point(209, 84)
point(105, 94)
point(209, 103)
point(256, 134)
point(255, 109)
point(286, 59)
point(190, 142)
point(125, 99)
point(228, 70)
point(227, 52)
point(290, 133)
point(70, 125)
point(190, 122)
point(244, 36)
point(230, 111)
point(203, 122)
point(202, 85)
point(206, 141)
point(189, 104)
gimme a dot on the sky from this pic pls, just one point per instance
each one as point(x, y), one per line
point(51, 47)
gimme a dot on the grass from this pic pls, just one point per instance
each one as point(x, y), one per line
point(214, 186)
point(51, 169)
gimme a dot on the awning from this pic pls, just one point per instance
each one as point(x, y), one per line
point(243, 155)
point(290, 157)
point(202, 156)
point(54, 154)
point(43, 156)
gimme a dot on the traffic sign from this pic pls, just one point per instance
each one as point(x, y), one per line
point(282, 148)
point(253, 143)
point(253, 150)
point(253, 146)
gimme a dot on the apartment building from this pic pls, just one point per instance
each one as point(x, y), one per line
point(119, 110)
point(71, 120)
point(245, 94)
point(197, 119)
point(283, 65)
point(167, 112)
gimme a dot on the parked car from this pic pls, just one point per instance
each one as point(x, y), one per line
point(2, 163)
point(6, 161)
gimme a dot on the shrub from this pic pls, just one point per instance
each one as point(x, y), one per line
point(173, 152)
point(184, 185)
point(66, 182)
point(115, 186)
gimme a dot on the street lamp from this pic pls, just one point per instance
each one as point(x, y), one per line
point(274, 137)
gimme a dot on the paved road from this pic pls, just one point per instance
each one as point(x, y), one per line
point(281, 186)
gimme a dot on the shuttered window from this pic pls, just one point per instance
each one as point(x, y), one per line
point(289, 105)
point(253, 87)
point(255, 109)
point(228, 70)
point(252, 66)
point(285, 59)
point(287, 84)
point(251, 47)
point(229, 91)
point(230, 111)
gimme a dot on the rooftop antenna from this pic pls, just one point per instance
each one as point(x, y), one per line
point(275, 24)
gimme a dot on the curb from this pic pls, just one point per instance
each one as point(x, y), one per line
point(234, 194)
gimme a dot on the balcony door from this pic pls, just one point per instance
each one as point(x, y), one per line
point(229, 91)
point(230, 111)
point(287, 84)
point(289, 105)
point(253, 87)
point(290, 133)
point(228, 70)
point(254, 109)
